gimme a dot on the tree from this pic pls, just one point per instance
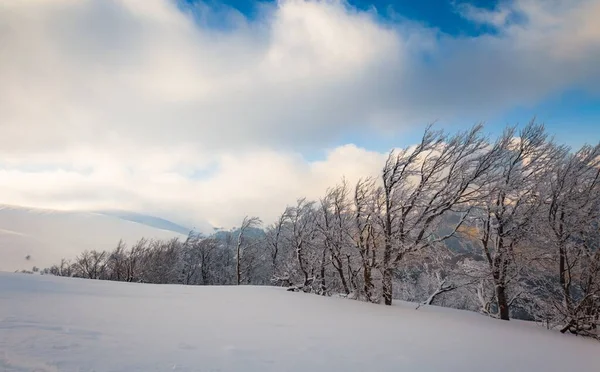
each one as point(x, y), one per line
point(423, 182)
point(247, 223)
point(507, 212)
point(90, 264)
point(206, 248)
point(133, 260)
point(335, 226)
point(273, 239)
point(573, 220)
point(366, 236)
point(160, 262)
point(116, 263)
point(63, 269)
point(301, 238)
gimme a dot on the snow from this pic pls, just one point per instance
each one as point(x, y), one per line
point(66, 324)
point(47, 236)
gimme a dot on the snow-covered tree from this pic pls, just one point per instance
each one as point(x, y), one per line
point(572, 230)
point(422, 183)
point(335, 225)
point(247, 223)
point(507, 212)
point(90, 265)
point(301, 233)
point(366, 235)
point(274, 241)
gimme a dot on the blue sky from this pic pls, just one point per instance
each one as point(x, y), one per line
point(196, 110)
point(441, 14)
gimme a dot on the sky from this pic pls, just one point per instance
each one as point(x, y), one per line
point(209, 111)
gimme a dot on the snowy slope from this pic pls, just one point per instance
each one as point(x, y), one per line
point(67, 324)
point(49, 235)
point(157, 222)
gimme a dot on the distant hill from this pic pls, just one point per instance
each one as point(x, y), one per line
point(41, 237)
point(157, 222)
point(252, 232)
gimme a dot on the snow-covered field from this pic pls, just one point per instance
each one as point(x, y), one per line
point(63, 324)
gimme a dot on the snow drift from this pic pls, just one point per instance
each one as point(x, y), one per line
point(66, 324)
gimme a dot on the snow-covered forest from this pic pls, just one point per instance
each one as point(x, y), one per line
point(508, 227)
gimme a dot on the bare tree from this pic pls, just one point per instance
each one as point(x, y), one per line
point(366, 236)
point(133, 259)
point(573, 218)
point(90, 264)
point(335, 226)
point(301, 236)
point(247, 223)
point(63, 269)
point(190, 258)
point(206, 248)
point(422, 183)
point(508, 210)
point(274, 240)
point(116, 263)
point(161, 262)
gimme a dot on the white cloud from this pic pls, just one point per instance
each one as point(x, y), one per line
point(258, 183)
point(117, 103)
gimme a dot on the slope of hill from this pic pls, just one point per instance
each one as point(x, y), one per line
point(46, 236)
point(67, 324)
point(157, 222)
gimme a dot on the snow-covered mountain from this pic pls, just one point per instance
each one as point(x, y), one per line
point(41, 237)
point(156, 222)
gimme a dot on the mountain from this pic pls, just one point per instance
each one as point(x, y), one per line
point(41, 237)
point(157, 222)
point(251, 232)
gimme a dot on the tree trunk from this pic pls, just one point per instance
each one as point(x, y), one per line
point(387, 286)
point(323, 283)
point(387, 251)
point(564, 280)
point(238, 269)
point(302, 267)
point(369, 287)
point(238, 258)
point(502, 302)
point(499, 275)
point(339, 267)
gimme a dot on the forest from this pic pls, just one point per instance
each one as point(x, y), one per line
point(506, 226)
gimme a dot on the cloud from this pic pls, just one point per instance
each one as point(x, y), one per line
point(539, 49)
point(257, 183)
point(194, 111)
point(93, 70)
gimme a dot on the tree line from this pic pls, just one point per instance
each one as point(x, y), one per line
point(508, 227)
